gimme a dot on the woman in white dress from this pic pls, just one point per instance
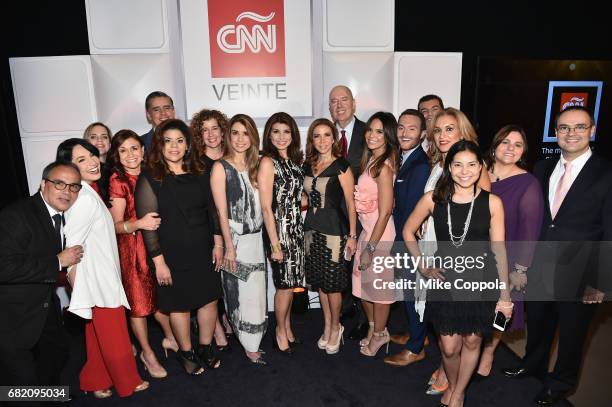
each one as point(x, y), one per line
point(97, 292)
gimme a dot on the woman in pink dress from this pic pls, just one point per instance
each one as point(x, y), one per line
point(374, 204)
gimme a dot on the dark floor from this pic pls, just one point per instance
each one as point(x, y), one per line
point(308, 378)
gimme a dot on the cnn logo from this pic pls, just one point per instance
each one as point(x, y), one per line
point(247, 38)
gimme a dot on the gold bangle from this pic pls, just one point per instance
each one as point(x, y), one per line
point(276, 247)
point(125, 226)
point(218, 245)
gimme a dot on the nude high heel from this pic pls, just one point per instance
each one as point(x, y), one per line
point(169, 344)
point(365, 350)
point(333, 349)
point(365, 341)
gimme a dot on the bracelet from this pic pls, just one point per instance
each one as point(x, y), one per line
point(218, 245)
point(505, 307)
point(370, 247)
point(125, 226)
point(354, 237)
point(276, 247)
point(520, 269)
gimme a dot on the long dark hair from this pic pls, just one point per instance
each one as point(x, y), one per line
point(391, 145)
point(252, 154)
point(497, 140)
point(445, 188)
point(64, 153)
point(294, 153)
point(155, 161)
point(112, 157)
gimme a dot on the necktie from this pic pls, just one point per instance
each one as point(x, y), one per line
point(57, 222)
point(344, 144)
point(562, 187)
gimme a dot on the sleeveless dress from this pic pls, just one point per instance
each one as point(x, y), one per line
point(286, 204)
point(138, 280)
point(245, 290)
point(365, 282)
point(457, 310)
point(325, 229)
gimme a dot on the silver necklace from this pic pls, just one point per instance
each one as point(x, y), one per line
point(457, 241)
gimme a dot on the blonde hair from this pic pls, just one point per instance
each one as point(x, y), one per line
point(466, 131)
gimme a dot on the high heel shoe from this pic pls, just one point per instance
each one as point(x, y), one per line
point(190, 361)
point(365, 350)
point(142, 386)
point(156, 373)
point(288, 351)
point(321, 343)
point(102, 394)
point(258, 360)
point(169, 344)
point(333, 349)
point(366, 341)
point(207, 356)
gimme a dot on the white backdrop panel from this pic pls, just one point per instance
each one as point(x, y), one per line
point(358, 25)
point(127, 26)
point(122, 82)
point(422, 73)
point(37, 153)
point(53, 95)
point(231, 93)
point(368, 74)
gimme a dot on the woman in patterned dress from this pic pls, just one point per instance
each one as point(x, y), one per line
point(330, 237)
point(125, 158)
point(280, 179)
point(237, 198)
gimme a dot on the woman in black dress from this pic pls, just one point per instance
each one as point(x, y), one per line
point(466, 218)
point(176, 185)
point(330, 237)
point(280, 179)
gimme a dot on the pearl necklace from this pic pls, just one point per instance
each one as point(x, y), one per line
point(457, 241)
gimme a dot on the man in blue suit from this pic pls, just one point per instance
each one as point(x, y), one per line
point(408, 189)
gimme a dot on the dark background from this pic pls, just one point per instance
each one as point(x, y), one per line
point(509, 55)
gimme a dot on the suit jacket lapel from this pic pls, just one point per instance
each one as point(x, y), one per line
point(44, 218)
point(413, 156)
point(545, 181)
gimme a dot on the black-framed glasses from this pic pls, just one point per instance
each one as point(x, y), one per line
point(61, 185)
point(579, 128)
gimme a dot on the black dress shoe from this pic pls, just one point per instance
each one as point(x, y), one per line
point(517, 373)
point(548, 397)
point(359, 331)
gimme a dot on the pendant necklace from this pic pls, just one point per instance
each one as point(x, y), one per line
point(457, 241)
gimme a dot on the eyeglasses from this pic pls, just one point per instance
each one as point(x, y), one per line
point(578, 129)
point(61, 185)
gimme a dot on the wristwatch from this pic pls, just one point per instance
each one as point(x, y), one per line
point(370, 247)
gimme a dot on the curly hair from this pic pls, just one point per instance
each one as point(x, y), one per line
point(197, 125)
point(156, 162)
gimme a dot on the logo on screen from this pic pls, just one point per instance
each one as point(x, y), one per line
point(247, 38)
point(573, 99)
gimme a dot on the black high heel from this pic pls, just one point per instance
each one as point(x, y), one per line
point(190, 361)
point(295, 343)
point(207, 356)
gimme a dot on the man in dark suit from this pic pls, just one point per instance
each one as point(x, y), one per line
point(408, 189)
point(342, 107)
point(159, 107)
point(571, 269)
point(33, 346)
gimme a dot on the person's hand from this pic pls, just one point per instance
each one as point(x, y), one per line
point(365, 260)
point(277, 256)
point(70, 255)
point(592, 295)
point(351, 247)
point(150, 221)
point(517, 281)
point(162, 274)
point(505, 307)
point(229, 260)
point(433, 273)
point(217, 256)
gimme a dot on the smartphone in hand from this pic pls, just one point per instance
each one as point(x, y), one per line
point(500, 321)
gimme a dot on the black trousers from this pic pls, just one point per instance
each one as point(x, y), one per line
point(41, 364)
point(573, 320)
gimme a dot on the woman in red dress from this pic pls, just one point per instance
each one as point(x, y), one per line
point(126, 156)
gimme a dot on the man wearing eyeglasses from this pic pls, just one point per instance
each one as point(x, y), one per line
point(33, 347)
point(571, 268)
point(159, 107)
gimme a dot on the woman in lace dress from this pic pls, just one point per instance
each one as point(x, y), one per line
point(280, 179)
point(241, 221)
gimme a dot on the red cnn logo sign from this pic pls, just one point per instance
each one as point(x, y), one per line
point(247, 38)
point(573, 99)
